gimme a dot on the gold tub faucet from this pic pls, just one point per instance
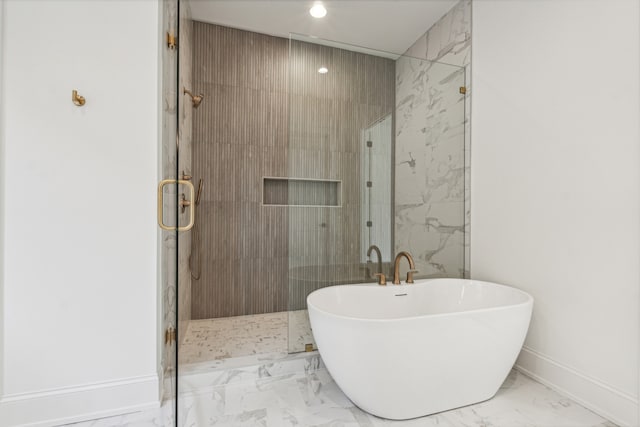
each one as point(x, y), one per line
point(396, 267)
point(371, 249)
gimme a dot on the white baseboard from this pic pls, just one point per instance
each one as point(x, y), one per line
point(80, 403)
point(603, 399)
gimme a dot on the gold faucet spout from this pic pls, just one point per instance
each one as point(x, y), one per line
point(373, 248)
point(396, 267)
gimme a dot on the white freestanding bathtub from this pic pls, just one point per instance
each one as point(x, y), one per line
point(405, 351)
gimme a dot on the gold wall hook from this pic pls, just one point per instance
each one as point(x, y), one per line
point(77, 99)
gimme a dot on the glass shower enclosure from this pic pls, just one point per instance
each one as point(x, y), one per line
point(317, 170)
point(375, 167)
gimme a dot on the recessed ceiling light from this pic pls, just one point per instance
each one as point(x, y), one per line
point(323, 70)
point(318, 11)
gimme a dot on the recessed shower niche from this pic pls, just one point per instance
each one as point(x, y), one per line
point(312, 179)
point(301, 192)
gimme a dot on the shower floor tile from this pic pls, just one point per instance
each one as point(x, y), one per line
point(227, 337)
point(235, 337)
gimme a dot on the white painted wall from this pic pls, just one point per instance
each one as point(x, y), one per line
point(2, 173)
point(556, 185)
point(79, 282)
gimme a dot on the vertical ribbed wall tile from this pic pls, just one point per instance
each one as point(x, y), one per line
point(327, 115)
point(240, 135)
point(268, 112)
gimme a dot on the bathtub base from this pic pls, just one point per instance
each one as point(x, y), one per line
point(412, 369)
point(423, 410)
point(401, 405)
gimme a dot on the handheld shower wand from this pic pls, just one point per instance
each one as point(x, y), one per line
point(195, 264)
point(200, 185)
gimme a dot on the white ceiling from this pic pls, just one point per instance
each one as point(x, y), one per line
point(386, 25)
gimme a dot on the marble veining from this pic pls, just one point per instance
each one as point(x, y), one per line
point(199, 378)
point(448, 40)
point(429, 214)
point(432, 147)
point(313, 399)
point(169, 157)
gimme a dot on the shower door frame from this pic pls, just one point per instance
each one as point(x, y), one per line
point(168, 204)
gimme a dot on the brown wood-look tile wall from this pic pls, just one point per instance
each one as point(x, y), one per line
point(327, 115)
point(259, 120)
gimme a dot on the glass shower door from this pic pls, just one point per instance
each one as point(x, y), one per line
point(176, 197)
point(341, 101)
point(187, 200)
point(375, 196)
point(168, 211)
point(386, 133)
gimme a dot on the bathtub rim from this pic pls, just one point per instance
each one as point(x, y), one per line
point(529, 301)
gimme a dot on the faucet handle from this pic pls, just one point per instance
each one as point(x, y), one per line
point(410, 275)
point(382, 280)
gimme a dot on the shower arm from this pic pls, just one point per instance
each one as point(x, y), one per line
point(195, 99)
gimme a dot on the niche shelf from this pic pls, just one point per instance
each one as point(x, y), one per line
point(301, 192)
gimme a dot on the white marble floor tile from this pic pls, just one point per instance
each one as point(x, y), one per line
point(313, 399)
point(161, 417)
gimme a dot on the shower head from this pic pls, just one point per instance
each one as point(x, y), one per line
point(195, 99)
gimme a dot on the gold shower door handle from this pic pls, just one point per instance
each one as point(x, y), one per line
point(185, 203)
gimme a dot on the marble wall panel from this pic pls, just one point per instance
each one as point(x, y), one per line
point(185, 140)
point(168, 245)
point(433, 147)
point(448, 40)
